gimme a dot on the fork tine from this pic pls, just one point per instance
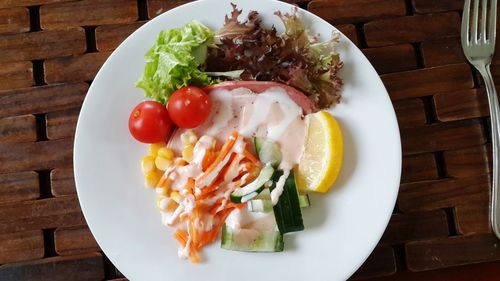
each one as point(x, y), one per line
point(493, 22)
point(484, 10)
point(465, 24)
point(475, 21)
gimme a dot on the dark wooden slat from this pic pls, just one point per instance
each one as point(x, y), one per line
point(349, 30)
point(442, 136)
point(87, 13)
point(473, 219)
point(414, 226)
point(419, 167)
point(62, 124)
point(19, 186)
point(392, 58)
point(76, 268)
point(18, 129)
point(16, 75)
point(350, 11)
point(157, 7)
point(40, 214)
point(411, 29)
point(43, 155)
point(21, 3)
point(468, 162)
point(74, 240)
point(42, 44)
point(436, 194)
point(453, 251)
point(410, 113)
point(474, 272)
point(381, 262)
point(432, 6)
point(464, 104)
point(62, 182)
point(495, 72)
point(108, 37)
point(42, 99)
point(442, 51)
point(21, 246)
point(428, 81)
point(74, 68)
point(14, 20)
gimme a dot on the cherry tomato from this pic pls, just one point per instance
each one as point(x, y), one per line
point(149, 122)
point(189, 106)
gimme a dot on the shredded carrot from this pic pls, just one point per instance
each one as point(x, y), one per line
point(226, 148)
point(229, 176)
point(209, 190)
point(251, 157)
point(208, 159)
point(172, 205)
point(193, 232)
point(190, 186)
point(181, 236)
point(194, 256)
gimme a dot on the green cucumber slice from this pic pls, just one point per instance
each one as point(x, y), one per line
point(304, 201)
point(260, 205)
point(249, 191)
point(287, 211)
point(268, 151)
point(266, 206)
point(251, 240)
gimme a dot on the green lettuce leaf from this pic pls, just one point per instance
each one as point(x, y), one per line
point(176, 60)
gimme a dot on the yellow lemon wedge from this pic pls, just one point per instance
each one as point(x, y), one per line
point(321, 160)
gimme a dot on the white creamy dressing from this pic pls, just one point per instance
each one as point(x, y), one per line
point(237, 148)
point(244, 219)
point(278, 190)
point(271, 114)
point(183, 252)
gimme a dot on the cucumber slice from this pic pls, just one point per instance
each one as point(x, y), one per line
point(287, 211)
point(304, 201)
point(268, 151)
point(260, 205)
point(249, 191)
point(251, 240)
point(265, 194)
point(266, 206)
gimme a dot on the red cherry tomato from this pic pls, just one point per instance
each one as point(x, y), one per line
point(149, 122)
point(189, 106)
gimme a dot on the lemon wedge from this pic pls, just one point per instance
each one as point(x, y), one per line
point(321, 160)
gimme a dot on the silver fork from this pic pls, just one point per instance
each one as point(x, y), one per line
point(478, 43)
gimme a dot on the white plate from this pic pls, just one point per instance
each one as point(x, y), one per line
point(342, 227)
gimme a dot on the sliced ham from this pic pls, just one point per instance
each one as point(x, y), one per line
point(257, 87)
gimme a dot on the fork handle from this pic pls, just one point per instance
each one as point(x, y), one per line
point(495, 135)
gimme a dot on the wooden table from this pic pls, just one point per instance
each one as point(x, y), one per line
point(50, 51)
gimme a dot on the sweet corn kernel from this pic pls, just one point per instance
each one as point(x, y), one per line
point(151, 179)
point(188, 137)
point(153, 148)
point(147, 164)
point(161, 191)
point(166, 153)
point(162, 163)
point(176, 197)
point(187, 153)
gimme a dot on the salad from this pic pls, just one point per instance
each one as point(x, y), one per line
point(236, 132)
